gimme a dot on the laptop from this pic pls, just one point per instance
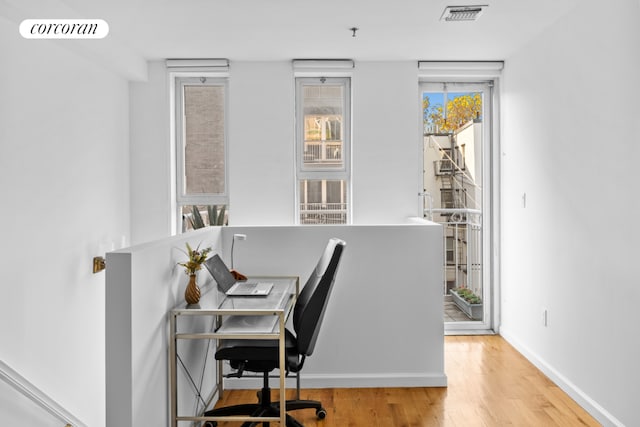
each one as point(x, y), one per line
point(229, 285)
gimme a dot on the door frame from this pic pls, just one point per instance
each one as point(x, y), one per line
point(484, 73)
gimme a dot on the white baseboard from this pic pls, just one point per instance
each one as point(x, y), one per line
point(591, 406)
point(347, 381)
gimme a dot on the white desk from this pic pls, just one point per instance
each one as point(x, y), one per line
point(235, 318)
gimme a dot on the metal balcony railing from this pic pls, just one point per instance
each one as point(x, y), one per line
point(323, 213)
point(462, 246)
point(319, 152)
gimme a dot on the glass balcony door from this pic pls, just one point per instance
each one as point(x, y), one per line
point(457, 192)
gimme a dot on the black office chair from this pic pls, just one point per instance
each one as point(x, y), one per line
point(263, 355)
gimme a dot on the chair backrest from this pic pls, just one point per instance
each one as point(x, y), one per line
point(312, 301)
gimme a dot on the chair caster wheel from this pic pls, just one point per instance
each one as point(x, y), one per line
point(211, 424)
point(321, 413)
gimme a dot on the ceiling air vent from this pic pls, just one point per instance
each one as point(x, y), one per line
point(462, 13)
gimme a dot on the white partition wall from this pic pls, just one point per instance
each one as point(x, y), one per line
point(385, 303)
point(143, 283)
point(383, 326)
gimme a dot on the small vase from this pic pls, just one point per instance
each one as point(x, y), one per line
point(192, 293)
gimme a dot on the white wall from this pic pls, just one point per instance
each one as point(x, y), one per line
point(150, 156)
point(570, 102)
point(387, 145)
point(64, 179)
point(387, 142)
point(261, 144)
point(143, 283)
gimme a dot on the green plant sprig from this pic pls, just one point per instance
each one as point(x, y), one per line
point(196, 257)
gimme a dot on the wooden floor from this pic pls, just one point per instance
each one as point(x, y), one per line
point(490, 384)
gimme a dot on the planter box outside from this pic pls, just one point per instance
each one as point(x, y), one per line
point(473, 311)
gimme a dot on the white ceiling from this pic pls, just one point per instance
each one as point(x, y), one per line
point(286, 29)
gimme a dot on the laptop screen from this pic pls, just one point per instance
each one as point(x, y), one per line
point(220, 273)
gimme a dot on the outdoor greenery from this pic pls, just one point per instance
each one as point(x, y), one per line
point(216, 216)
point(460, 110)
point(468, 295)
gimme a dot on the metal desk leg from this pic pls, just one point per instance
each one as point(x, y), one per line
point(220, 365)
point(220, 384)
point(283, 389)
point(173, 371)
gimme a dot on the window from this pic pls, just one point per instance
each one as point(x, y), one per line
point(445, 164)
point(446, 198)
point(201, 150)
point(323, 148)
point(450, 253)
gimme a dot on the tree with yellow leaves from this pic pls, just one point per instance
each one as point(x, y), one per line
point(460, 110)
